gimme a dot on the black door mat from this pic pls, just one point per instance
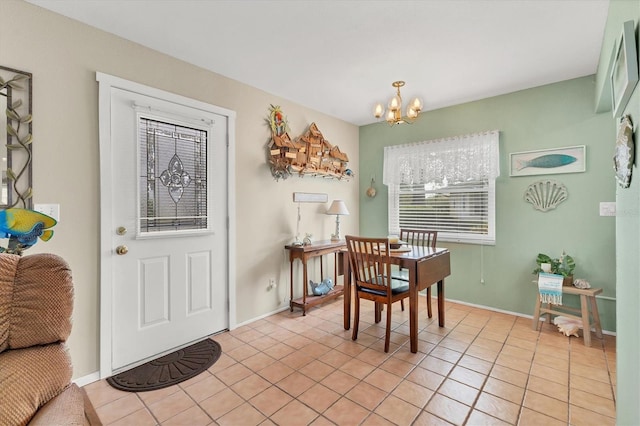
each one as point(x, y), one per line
point(170, 369)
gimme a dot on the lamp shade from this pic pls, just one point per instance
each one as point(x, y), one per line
point(338, 207)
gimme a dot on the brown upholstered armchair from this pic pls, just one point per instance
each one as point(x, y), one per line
point(36, 302)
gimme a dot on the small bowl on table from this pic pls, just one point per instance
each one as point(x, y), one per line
point(395, 243)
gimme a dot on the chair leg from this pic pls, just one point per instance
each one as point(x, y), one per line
point(378, 312)
point(429, 313)
point(387, 336)
point(356, 318)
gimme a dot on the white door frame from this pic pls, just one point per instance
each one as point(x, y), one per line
point(106, 84)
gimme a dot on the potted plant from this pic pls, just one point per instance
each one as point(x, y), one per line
point(563, 265)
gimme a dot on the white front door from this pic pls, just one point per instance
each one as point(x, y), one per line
point(166, 225)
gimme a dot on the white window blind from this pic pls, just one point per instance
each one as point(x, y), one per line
point(446, 185)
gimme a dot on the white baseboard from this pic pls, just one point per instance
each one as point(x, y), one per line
point(517, 314)
point(85, 380)
point(268, 314)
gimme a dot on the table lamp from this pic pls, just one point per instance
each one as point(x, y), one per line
point(339, 208)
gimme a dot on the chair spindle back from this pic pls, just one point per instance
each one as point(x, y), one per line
point(369, 258)
point(419, 237)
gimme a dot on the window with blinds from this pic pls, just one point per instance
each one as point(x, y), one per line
point(461, 212)
point(447, 185)
point(173, 177)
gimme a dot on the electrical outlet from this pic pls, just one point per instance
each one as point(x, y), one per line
point(272, 284)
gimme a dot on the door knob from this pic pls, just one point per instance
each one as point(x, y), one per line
point(121, 250)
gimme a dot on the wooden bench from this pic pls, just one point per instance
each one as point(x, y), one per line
point(587, 296)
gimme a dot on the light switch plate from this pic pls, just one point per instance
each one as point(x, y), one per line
point(607, 208)
point(51, 210)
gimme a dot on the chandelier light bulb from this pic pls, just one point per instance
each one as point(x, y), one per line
point(416, 104)
point(411, 113)
point(390, 116)
point(395, 103)
point(378, 111)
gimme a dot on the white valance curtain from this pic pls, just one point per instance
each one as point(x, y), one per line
point(457, 159)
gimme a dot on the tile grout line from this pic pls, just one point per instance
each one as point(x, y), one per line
point(329, 328)
point(493, 364)
point(526, 384)
point(377, 340)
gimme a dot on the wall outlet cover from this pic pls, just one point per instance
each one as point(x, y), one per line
point(51, 210)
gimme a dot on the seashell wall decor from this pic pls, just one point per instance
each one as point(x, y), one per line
point(546, 194)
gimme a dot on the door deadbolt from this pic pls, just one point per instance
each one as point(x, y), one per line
point(121, 230)
point(122, 250)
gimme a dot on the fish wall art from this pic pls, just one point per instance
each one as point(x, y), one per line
point(546, 161)
point(549, 161)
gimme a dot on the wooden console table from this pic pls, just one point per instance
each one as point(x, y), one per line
point(304, 253)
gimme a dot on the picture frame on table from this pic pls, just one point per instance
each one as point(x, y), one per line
point(571, 159)
point(624, 69)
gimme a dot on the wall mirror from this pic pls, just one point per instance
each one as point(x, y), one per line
point(15, 138)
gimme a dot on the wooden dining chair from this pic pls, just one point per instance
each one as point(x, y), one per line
point(422, 238)
point(371, 266)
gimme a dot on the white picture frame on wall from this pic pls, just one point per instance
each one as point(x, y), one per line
point(571, 159)
point(624, 69)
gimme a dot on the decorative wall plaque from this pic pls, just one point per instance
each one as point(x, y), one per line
point(308, 155)
point(545, 195)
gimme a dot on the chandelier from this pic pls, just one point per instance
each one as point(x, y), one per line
point(394, 111)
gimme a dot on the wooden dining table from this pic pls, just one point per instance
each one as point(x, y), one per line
point(426, 266)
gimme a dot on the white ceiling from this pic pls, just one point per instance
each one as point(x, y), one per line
point(340, 57)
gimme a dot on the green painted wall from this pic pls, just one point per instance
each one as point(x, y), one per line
point(627, 237)
point(552, 116)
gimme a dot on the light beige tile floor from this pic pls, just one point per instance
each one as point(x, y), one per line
point(483, 368)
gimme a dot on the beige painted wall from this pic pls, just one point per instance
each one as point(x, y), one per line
point(63, 56)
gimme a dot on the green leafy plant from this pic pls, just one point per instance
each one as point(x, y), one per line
point(563, 265)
